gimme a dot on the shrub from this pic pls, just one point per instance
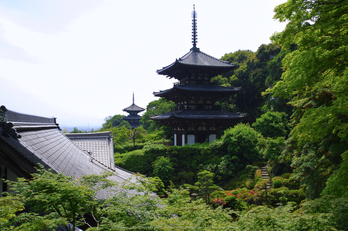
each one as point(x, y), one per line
point(163, 169)
point(217, 198)
point(277, 183)
point(185, 177)
point(261, 185)
point(293, 183)
point(286, 183)
point(286, 175)
point(244, 142)
point(235, 203)
point(250, 184)
point(134, 161)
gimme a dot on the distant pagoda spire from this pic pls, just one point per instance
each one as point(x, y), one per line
point(194, 27)
point(133, 98)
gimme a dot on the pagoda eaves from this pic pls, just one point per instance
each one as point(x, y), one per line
point(207, 115)
point(198, 89)
point(196, 59)
point(133, 108)
point(197, 116)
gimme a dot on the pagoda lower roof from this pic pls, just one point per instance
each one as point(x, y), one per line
point(198, 88)
point(134, 108)
point(209, 115)
point(196, 58)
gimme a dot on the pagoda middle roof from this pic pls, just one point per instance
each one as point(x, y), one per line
point(198, 88)
point(134, 107)
point(210, 115)
point(197, 58)
point(132, 117)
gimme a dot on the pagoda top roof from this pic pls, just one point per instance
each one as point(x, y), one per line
point(209, 115)
point(199, 88)
point(133, 108)
point(197, 58)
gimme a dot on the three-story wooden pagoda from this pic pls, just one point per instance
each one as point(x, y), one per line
point(196, 117)
point(133, 118)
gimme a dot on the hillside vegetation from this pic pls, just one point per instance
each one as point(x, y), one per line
point(285, 169)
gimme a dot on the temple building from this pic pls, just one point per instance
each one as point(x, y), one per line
point(133, 118)
point(28, 141)
point(196, 118)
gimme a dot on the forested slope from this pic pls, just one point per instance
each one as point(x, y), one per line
point(296, 93)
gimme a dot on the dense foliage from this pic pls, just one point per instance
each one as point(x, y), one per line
point(316, 82)
point(66, 201)
point(286, 170)
point(257, 72)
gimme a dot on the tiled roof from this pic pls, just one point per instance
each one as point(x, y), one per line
point(99, 145)
point(197, 58)
point(199, 88)
point(27, 141)
point(133, 108)
point(209, 115)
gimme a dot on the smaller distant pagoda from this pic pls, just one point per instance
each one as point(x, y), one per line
point(133, 118)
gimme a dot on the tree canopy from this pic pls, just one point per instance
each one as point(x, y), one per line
point(315, 79)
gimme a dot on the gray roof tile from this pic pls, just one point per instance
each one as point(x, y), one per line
point(198, 88)
point(209, 115)
point(38, 143)
point(196, 58)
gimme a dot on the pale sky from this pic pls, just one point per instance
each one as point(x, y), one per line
point(81, 60)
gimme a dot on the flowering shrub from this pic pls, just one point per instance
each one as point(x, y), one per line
point(277, 178)
point(250, 184)
point(218, 201)
point(286, 175)
point(258, 176)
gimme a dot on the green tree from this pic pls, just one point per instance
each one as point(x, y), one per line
point(163, 169)
point(182, 213)
point(272, 124)
point(251, 171)
point(273, 149)
point(282, 218)
point(255, 71)
point(205, 185)
point(131, 207)
point(156, 107)
point(115, 121)
point(62, 199)
point(244, 142)
point(54, 200)
point(315, 79)
point(76, 130)
point(121, 135)
point(137, 134)
point(9, 206)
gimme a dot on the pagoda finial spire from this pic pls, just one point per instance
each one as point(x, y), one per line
point(133, 97)
point(194, 27)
